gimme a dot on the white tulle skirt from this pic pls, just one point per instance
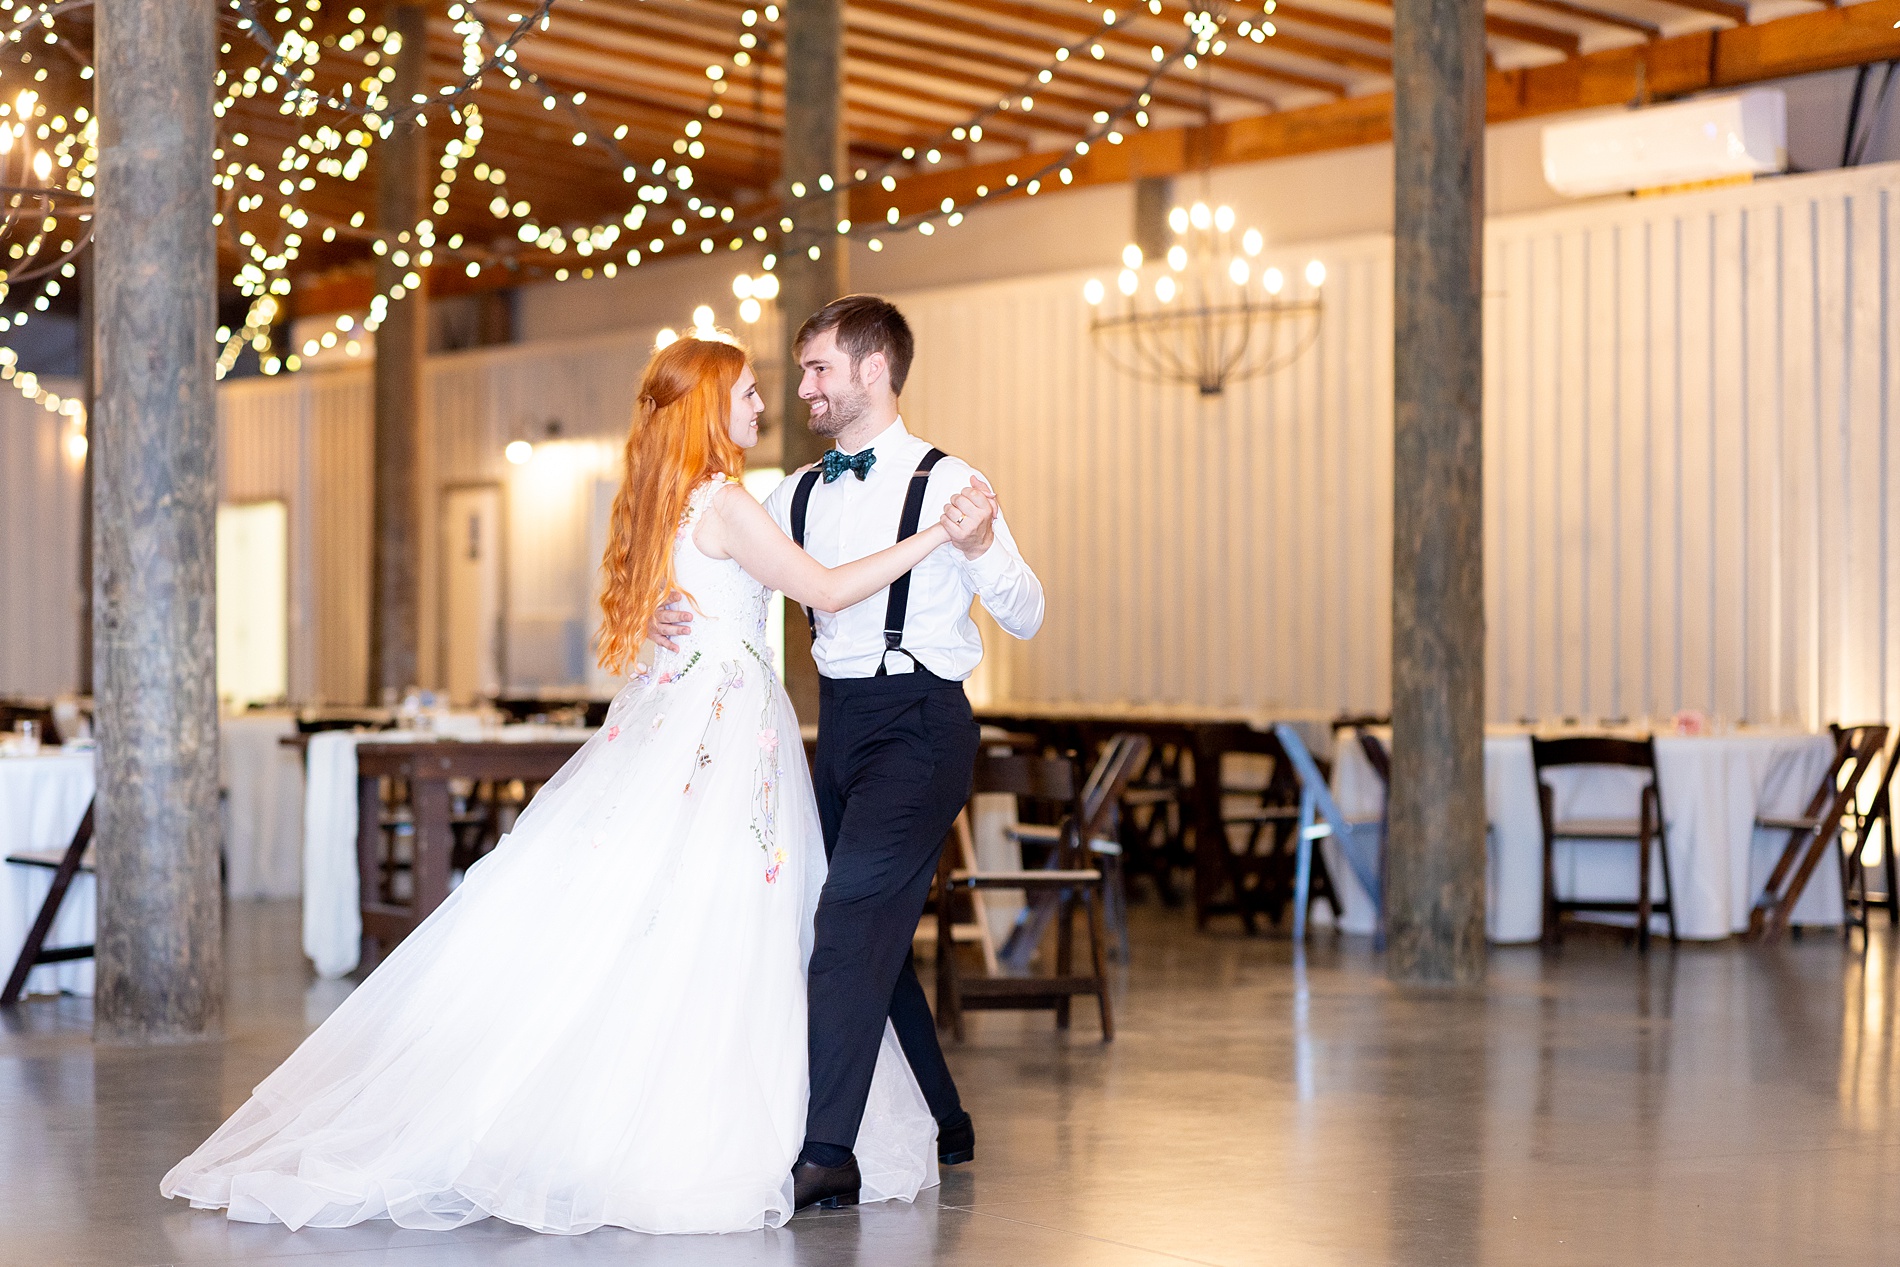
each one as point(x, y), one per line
point(603, 1025)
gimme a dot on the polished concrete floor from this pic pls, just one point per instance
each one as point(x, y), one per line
point(1720, 1104)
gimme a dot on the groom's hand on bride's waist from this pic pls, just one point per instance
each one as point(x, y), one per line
point(670, 623)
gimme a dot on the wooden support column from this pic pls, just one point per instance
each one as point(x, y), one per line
point(814, 146)
point(402, 340)
point(1435, 867)
point(154, 449)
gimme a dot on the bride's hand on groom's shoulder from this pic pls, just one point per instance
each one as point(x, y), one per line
point(669, 623)
point(970, 518)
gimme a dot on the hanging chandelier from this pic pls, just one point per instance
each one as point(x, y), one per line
point(1206, 315)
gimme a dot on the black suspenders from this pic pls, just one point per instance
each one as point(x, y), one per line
point(898, 607)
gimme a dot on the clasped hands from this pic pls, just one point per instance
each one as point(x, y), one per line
point(969, 518)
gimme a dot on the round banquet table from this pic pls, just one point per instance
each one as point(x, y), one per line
point(1713, 788)
point(42, 799)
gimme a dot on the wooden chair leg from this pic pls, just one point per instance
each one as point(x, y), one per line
point(1553, 933)
point(1893, 871)
point(1096, 953)
point(1769, 918)
point(30, 953)
point(1065, 951)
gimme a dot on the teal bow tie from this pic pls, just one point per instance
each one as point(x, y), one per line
point(836, 463)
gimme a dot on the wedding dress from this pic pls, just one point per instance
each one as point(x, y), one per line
point(605, 1022)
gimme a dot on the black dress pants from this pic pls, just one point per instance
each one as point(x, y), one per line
point(894, 764)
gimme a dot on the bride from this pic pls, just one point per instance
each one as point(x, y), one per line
point(605, 1023)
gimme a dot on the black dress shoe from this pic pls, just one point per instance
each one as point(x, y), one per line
point(956, 1142)
point(827, 1187)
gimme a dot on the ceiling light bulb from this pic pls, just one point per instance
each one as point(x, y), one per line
point(1239, 271)
point(518, 452)
point(1224, 219)
point(1315, 273)
point(1127, 282)
point(765, 286)
point(742, 287)
point(667, 335)
point(1274, 279)
point(1199, 216)
point(1178, 219)
point(749, 310)
point(1131, 256)
point(1177, 257)
point(1251, 242)
point(1092, 291)
point(702, 318)
point(1164, 288)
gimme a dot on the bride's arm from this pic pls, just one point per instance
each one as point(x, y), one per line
point(739, 528)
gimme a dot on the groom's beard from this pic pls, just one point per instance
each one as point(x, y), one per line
point(842, 409)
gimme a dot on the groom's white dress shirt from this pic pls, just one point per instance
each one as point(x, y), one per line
point(850, 518)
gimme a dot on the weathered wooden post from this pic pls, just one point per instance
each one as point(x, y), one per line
point(814, 151)
point(1436, 862)
point(154, 449)
point(402, 341)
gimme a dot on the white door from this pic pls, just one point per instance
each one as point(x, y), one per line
point(471, 591)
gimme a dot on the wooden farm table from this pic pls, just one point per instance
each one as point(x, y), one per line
point(428, 768)
point(1205, 736)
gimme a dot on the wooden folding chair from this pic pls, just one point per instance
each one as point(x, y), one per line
point(1812, 832)
point(1854, 890)
point(974, 931)
point(64, 864)
point(1053, 891)
point(1647, 830)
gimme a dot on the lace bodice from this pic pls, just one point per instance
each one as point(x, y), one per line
point(729, 606)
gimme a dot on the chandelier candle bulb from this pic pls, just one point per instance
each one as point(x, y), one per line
point(1177, 257)
point(1315, 274)
point(1093, 292)
point(1128, 282)
point(1251, 242)
point(750, 311)
point(1131, 256)
point(1164, 289)
point(742, 287)
point(1238, 272)
point(702, 318)
point(1274, 279)
point(1224, 219)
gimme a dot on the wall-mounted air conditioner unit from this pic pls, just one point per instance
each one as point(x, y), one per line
point(1709, 138)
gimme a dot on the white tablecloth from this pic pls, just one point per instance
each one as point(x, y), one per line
point(1713, 787)
point(42, 800)
point(263, 806)
point(332, 909)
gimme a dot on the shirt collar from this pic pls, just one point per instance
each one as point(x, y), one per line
point(887, 439)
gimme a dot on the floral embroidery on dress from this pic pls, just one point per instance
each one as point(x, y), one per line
point(613, 733)
point(765, 800)
point(703, 758)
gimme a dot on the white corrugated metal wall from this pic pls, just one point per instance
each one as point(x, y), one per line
point(1688, 475)
point(1687, 472)
point(40, 487)
point(306, 440)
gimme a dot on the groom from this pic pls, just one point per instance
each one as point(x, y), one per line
point(896, 741)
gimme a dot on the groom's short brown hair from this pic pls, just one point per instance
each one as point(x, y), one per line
point(865, 324)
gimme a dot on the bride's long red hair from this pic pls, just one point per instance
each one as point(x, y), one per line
point(681, 434)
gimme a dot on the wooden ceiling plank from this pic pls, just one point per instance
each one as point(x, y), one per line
point(1589, 13)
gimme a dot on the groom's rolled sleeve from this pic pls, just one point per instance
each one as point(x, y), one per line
point(1009, 589)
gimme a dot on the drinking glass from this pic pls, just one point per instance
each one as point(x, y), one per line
point(27, 737)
